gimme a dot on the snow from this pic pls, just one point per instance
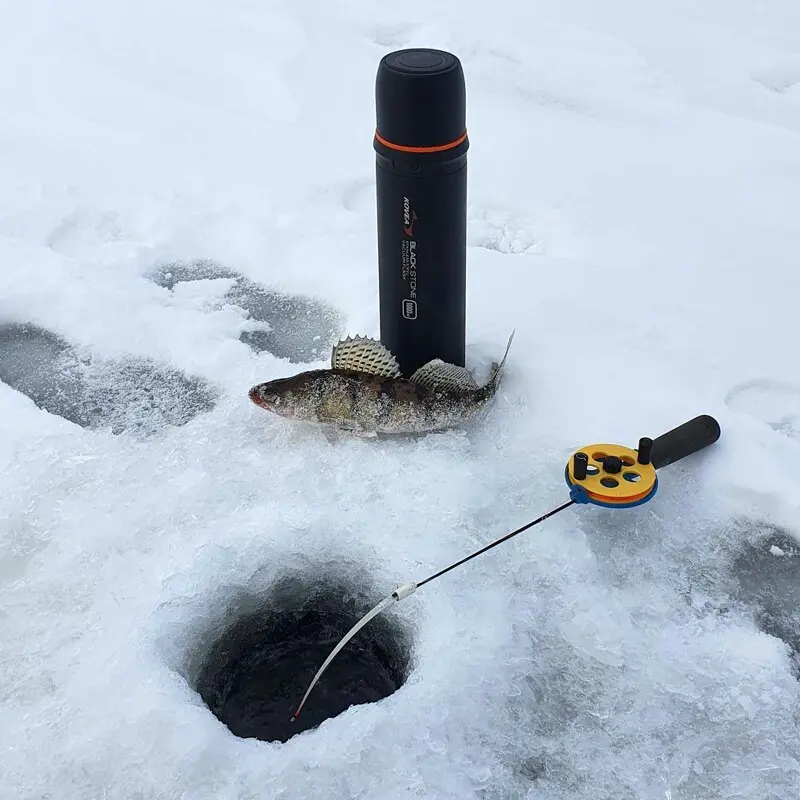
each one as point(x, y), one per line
point(634, 180)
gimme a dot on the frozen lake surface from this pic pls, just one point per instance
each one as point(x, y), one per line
point(187, 208)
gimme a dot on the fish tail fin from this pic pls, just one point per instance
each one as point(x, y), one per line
point(497, 369)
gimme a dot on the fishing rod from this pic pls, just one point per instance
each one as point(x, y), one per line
point(606, 475)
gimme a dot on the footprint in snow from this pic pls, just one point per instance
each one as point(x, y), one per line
point(528, 73)
point(782, 76)
point(775, 403)
point(358, 196)
point(128, 395)
point(399, 35)
point(502, 231)
point(299, 328)
point(85, 228)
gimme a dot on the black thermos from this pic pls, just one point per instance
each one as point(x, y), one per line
point(421, 180)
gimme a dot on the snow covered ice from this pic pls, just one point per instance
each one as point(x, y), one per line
point(187, 209)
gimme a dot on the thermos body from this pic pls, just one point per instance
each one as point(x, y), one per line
point(421, 181)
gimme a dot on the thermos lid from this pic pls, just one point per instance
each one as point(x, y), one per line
point(420, 101)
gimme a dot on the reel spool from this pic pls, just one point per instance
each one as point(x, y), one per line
point(612, 476)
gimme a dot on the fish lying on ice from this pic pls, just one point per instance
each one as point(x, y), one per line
point(364, 392)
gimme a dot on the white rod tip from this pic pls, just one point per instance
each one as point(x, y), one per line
point(401, 592)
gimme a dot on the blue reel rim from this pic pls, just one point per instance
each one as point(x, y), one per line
point(581, 496)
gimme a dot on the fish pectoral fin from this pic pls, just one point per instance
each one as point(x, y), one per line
point(334, 435)
point(362, 354)
point(438, 374)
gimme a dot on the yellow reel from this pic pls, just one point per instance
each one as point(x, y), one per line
point(612, 475)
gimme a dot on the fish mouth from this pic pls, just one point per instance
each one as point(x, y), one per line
point(257, 396)
point(263, 396)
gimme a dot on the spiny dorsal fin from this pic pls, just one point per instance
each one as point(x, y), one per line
point(438, 374)
point(362, 354)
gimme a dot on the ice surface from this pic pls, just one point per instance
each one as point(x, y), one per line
point(130, 395)
point(634, 186)
point(300, 329)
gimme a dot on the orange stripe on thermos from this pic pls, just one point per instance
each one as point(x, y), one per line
point(434, 149)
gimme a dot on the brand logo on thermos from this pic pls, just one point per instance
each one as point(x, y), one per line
point(409, 217)
point(408, 259)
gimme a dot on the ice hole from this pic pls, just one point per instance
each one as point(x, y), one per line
point(256, 671)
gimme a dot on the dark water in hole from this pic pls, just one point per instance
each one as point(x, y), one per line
point(256, 673)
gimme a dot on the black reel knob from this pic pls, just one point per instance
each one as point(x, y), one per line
point(580, 463)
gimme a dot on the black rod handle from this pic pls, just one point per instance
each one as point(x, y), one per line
point(684, 440)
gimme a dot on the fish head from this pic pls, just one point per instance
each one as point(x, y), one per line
point(342, 399)
point(293, 397)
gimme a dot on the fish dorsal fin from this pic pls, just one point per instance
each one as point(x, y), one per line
point(497, 369)
point(361, 354)
point(438, 374)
